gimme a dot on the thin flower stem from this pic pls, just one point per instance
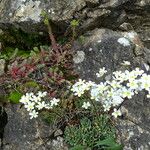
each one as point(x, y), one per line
point(95, 108)
point(54, 44)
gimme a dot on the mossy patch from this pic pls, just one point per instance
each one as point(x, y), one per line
point(17, 38)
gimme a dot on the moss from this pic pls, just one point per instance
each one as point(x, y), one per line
point(17, 38)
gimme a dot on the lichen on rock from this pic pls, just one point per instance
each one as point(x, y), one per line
point(79, 57)
point(29, 10)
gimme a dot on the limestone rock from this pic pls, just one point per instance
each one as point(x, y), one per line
point(58, 144)
point(101, 48)
point(134, 128)
point(147, 55)
point(21, 133)
point(112, 3)
point(138, 15)
point(27, 14)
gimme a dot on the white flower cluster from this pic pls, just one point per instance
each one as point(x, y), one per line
point(81, 86)
point(34, 102)
point(86, 105)
point(112, 93)
point(101, 72)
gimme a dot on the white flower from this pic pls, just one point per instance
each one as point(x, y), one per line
point(127, 93)
point(101, 72)
point(33, 114)
point(86, 105)
point(123, 41)
point(79, 87)
point(80, 82)
point(40, 105)
point(42, 94)
point(145, 82)
point(110, 93)
point(90, 84)
point(131, 75)
point(138, 72)
point(145, 85)
point(54, 102)
point(116, 100)
point(95, 93)
point(145, 78)
point(102, 87)
point(133, 84)
point(126, 63)
point(107, 107)
point(30, 106)
point(116, 113)
point(35, 99)
point(115, 84)
point(48, 106)
point(29, 95)
point(24, 99)
point(120, 76)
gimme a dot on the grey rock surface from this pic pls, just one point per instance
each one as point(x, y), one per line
point(101, 48)
point(26, 14)
point(21, 133)
point(139, 17)
point(107, 48)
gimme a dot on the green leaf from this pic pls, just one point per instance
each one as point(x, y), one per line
point(78, 147)
point(81, 39)
point(109, 144)
point(106, 142)
point(74, 23)
point(116, 147)
point(14, 97)
point(14, 54)
point(32, 84)
point(33, 53)
point(36, 49)
point(46, 21)
point(56, 69)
